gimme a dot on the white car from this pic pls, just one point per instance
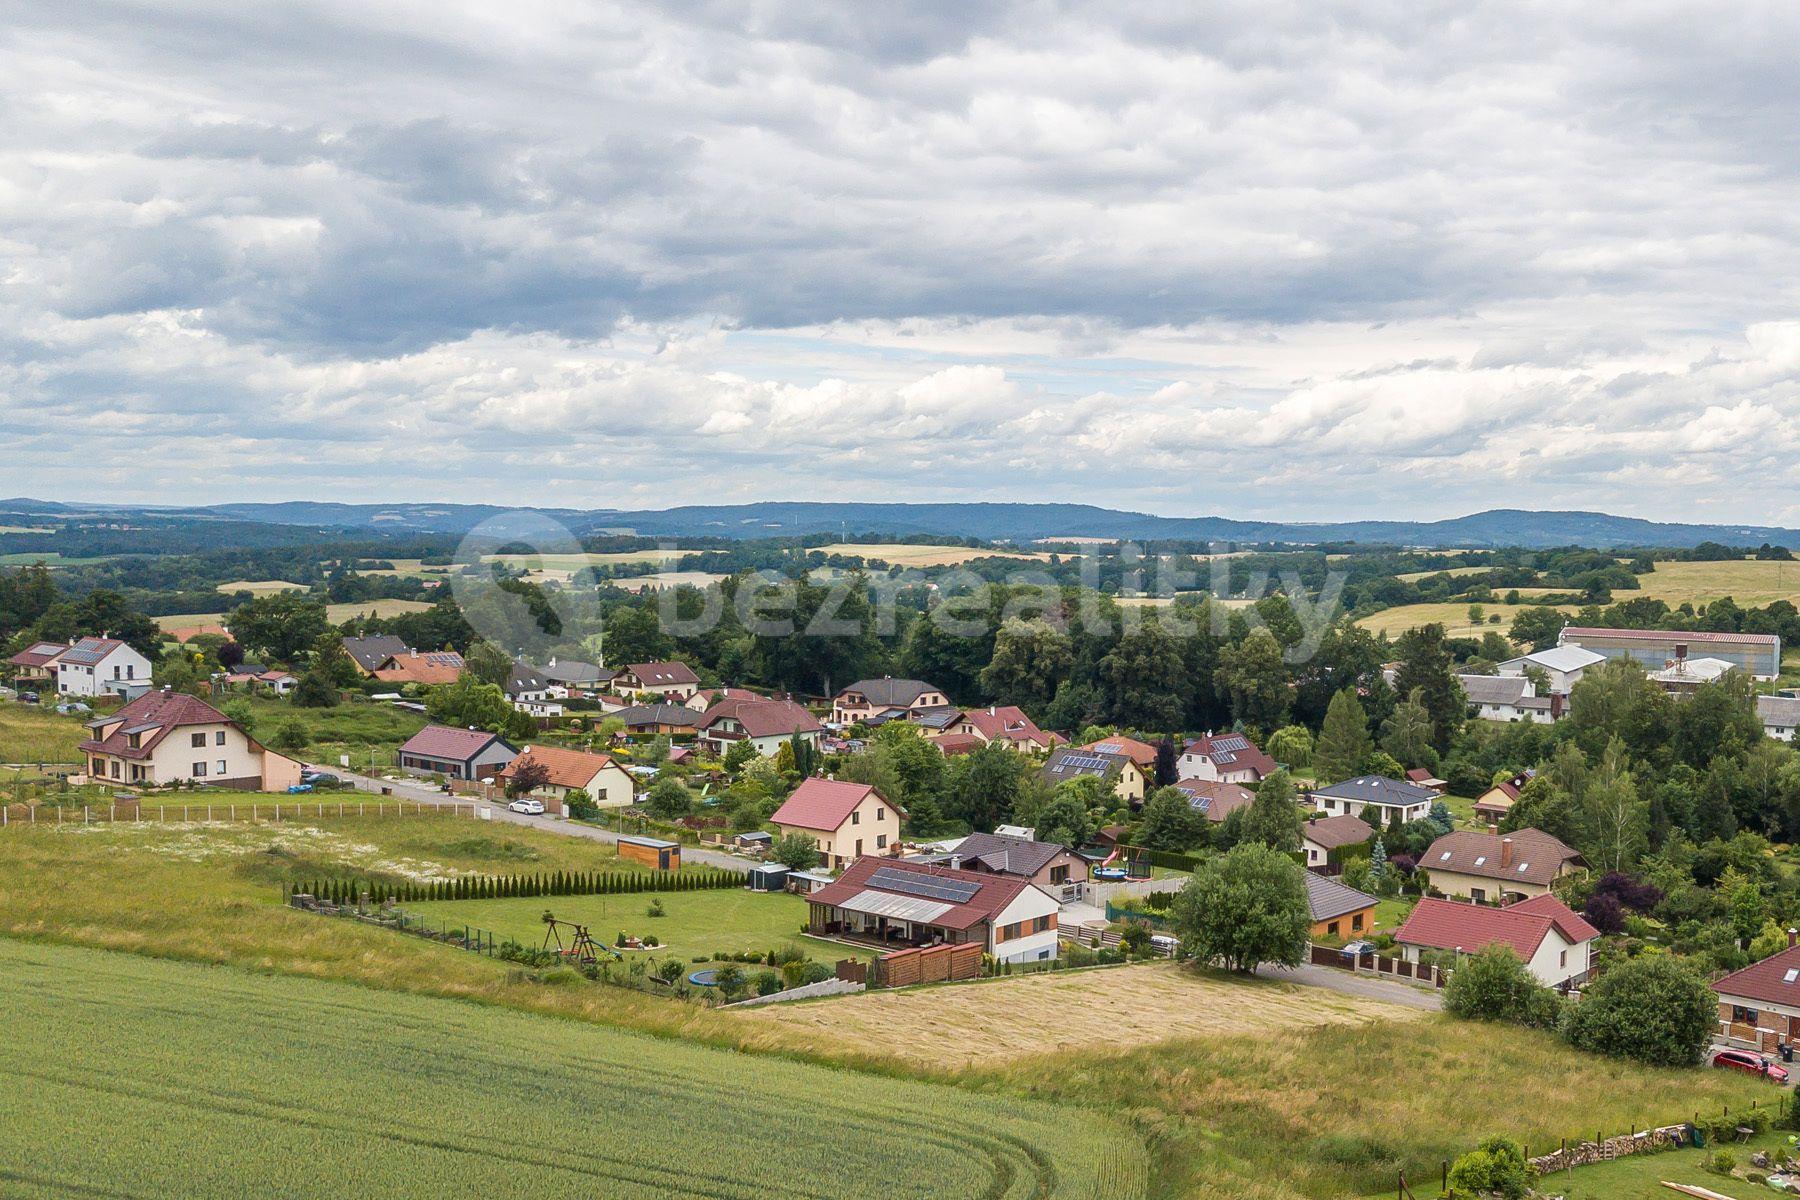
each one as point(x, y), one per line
point(528, 806)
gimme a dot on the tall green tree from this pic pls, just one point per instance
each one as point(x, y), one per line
point(1244, 908)
point(1254, 677)
point(1427, 673)
point(1170, 822)
point(488, 663)
point(1031, 660)
point(984, 785)
point(1144, 679)
point(1273, 818)
point(1344, 742)
point(281, 625)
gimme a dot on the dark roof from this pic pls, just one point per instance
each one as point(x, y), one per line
point(1774, 980)
point(1377, 789)
point(661, 674)
point(1494, 689)
point(1535, 857)
point(370, 652)
point(888, 692)
point(1233, 751)
point(1327, 899)
point(1334, 832)
point(524, 678)
point(1008, 855)
point(938, 716)
point(450, 743)
point(679, 715)
point(1071, 763)
point(156, 713)
point(574, 672)
point(1451, 925)
point(988, 895)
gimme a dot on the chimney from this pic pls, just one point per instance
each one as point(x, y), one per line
point(1493, 828)
point(956, 862)
point(1793, 937)
point(1505, 852)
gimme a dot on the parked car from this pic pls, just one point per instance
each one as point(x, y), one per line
point(1751, 1062)
point(320, 778)
point(73, 708)
point(28, 697)
point(528, 806)
point(297, 789)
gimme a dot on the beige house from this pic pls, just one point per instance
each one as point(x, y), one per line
point(1126, 777)
point(847, 820)
point(886, 696)
point(1498, 868)
point(607, 784)
point(168, 737)
point(674, 681)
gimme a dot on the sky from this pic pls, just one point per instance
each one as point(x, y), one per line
point(1255, 260)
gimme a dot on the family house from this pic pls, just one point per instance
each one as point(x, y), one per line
point(665, 720)
point(566, 677)
point(766, 724)
point(1759, 1006)
point(427, 669)
point(1046, 864)
point(1214, 798)
point(1493, 805)
point(36, 663)
point(668, 680)
point(101, 666)
point(371, 652)
point(1509, 698)
point(1338, 911)
point(1553, 942)
point(1141, 753)
point(1323, 837)
point(456, 753)
point(886, 696)
point(1126, 778)
point(607, 784)
point(169, 737)
point(1780, 716)
point(903, 904)
point(1375, 798)
point(1229, 757)
point(1423, 777)
point(704, 699)
point(529, 691)
point(1004, 724)
point(1498, 868)
point(847, 820)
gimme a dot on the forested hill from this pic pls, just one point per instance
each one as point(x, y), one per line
point(991, 522)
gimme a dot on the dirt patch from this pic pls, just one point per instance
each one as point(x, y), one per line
point(977, 1023)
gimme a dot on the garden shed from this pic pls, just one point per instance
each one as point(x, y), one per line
point(769, 877)
point(652, 852)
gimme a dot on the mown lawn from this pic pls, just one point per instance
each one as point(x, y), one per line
point(188, 1081)
point(1642, 1174)
point(709, 923)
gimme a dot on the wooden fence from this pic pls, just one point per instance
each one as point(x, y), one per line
point(1376, 964)
point(133, 811)
point(927, 964)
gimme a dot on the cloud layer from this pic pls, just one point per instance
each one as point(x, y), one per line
point(1268, 263)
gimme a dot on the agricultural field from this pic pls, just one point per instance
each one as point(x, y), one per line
point(33, 734)
point(923, 556)
point(1415, 576)
point(1001, 1020)
point(693, 924)
point(261, 587)
point(50, 558)
point(576, 562)
point(337, 614)
point(1750, 583)
point(1454, 616)
point(666, 579)
point(209, 1082)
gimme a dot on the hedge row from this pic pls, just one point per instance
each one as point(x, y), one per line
point(501, 887)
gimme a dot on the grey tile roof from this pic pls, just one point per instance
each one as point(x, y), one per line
point(1327, 899)
point(1377, 789)
point(1494, 689)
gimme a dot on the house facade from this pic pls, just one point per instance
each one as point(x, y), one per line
point(1374, 798)
point(1226, 757)
point(1509, 698)
point(1005, 724)
point(1554, 942)
point(607, 784)
point(456, 753)
point(664, 680)
point(1054, 868)
point(166, 737)
point(904, 904)
point(1496, 868)
point(886, 696)
point(1780, 716)
point(766, 724)
point(1322, 838)
point(1338, 911)
point(369, 653)
point(1759, 1006)
point(847, 820)
point(101, 667)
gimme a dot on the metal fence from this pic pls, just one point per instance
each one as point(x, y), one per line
point(128, 812)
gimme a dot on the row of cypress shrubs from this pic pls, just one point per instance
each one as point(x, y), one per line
point(501, 887)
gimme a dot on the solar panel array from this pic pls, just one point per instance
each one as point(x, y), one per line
point(931, 887)
point(1233, 742)
point(1083, 762)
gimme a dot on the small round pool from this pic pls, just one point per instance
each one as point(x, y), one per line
point(1110, 873)
point(706, 978)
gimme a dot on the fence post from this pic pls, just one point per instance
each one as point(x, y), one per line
point(84, 814)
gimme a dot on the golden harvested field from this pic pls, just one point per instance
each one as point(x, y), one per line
point(261, 586)
point(1453, 616)
point(337, 614)
point(667, 579)
point(1415, 576)
point(977, 1024)
point(575, 562)
point(923, 556)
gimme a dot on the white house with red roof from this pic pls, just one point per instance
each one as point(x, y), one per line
point(456, 753)
point(671, 680)
point(1227, 757)
point(766, 724)
point(95, 666)
point(1551, 939)
point(166, 737)
point(903, 904)
point(1003, 723)
point(847, 820)
point(36, 663)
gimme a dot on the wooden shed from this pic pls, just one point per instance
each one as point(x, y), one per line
point(652, 852)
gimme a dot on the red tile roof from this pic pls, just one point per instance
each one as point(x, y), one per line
point(37, 655)
point(760, 717)
point(1232, 752)
point(567, 768)
point(1141, 753)
point(153, 717)
point(1450, 925)
point(661, 674)
point(993, 894)
point(1007, 723)
point(448, 742)
point(428, 667)
point(1774, 980)
point(1216, 798)
point(822, 804)
point(952, 744)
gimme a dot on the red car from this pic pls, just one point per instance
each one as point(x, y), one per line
point(1755, 1064)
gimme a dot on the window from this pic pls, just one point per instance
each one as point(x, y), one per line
point(855, 817)
point(219, 738)
point(197, 739)
point(1059, 874)
point(130, 670)
point(881, 814)
point(1356, 923)
point(199, 770)
point(859, 847)
point(1562, 959)
point(881, 841)
point(1477, 895)
point(114, 769)
point(1480, 860)
point(222, 767)
point(1332, 929)
point(1743, 1016)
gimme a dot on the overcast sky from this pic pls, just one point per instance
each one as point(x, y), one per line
point(1246, 260)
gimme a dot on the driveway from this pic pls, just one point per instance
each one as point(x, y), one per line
point(405, 789)
point(1355, 983)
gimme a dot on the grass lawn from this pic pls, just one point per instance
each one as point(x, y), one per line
point(695, 923)
point(216, 1083)
point(358, 728)
point(32, 733)
point(1642, 1174)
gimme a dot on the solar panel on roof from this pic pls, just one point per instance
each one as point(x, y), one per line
point(932, 887)
point(1092, 762)
point(1231, 743)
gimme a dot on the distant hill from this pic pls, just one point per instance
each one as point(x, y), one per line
point(992, 522)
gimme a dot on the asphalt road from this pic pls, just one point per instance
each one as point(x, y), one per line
point(402, 789)
point(1354, 983)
